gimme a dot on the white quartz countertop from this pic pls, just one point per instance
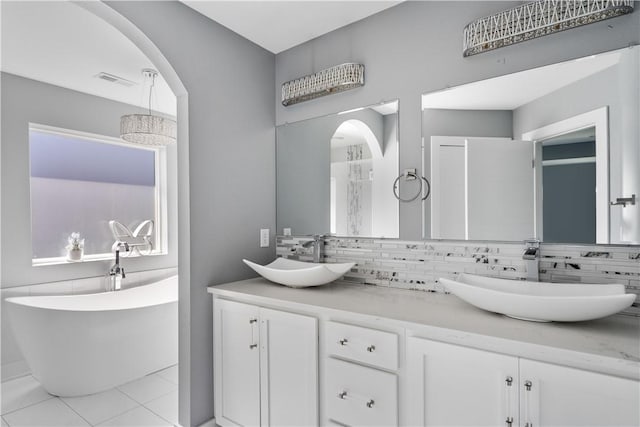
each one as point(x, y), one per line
point(609, 345)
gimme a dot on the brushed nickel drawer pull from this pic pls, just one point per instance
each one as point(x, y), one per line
point(370, 403)
point(371, 348)
point(343, 341)
point(342, 395)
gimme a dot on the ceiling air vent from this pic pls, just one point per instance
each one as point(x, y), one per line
point(115, 79)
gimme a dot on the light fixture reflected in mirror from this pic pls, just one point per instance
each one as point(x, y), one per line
point(148, 129)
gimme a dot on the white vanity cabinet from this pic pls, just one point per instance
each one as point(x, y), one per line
point(265, 366)
point(367, 356)
point(453, 385)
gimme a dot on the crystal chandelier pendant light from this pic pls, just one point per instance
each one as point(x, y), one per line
point(148, 129)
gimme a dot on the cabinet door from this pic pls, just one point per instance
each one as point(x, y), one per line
point(289, 365)
point(562, 396)
point(449, 385)
point(236, 363)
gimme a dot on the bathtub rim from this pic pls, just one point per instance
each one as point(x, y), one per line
point(47, 302)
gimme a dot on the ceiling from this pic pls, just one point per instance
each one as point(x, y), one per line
point(514, 90)
point(281, 25)
point(61, 43)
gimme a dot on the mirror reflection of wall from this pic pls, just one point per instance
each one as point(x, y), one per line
point(351, 176)
point(573, 183)
point(335, 173)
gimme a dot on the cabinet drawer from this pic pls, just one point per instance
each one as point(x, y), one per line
point(365, 345)
point(357, 395)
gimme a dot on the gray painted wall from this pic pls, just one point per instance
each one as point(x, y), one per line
point(414, 48)
point(24, 101)
point(476, 123)
point(231, 173)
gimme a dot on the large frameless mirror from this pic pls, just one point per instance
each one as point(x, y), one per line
point(335, 174)
point(551, 153)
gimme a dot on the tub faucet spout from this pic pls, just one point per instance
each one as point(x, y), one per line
point(116, 272)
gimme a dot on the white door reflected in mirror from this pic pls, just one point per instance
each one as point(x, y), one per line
point(597, 93)
point(477, 195)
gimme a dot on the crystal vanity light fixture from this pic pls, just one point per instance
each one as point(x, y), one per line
point(148, 129)
point(332, 80)
point(537, 19)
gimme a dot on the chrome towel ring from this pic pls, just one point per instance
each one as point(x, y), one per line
point(411, 175)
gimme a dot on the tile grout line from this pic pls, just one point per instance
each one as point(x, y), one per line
point(143, 403)
point(157, 397)
point(30, 405)
point(116, 416)
point(155, 413)
point(76, 412)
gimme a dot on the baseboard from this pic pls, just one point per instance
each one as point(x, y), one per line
point(210, 423)
point(13, 370)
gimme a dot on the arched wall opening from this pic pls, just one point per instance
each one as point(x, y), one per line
point(163, 66)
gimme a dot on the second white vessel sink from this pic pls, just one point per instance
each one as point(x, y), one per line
point(299, 274)
point(540, 301)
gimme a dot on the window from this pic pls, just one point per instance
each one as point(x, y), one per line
point(80, 181)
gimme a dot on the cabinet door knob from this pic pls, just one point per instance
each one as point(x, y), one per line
point(252, 321)
point(370, 403)
point(252, 346)
point(527, 385)
point(371, 348)
point(342, 395)
point(509, 421)
point(343, 341)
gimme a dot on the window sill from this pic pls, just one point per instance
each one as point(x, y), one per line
point(40, 262)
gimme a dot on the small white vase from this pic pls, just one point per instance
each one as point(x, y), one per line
point(74, 255)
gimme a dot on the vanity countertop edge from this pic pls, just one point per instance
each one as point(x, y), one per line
point(610, 345)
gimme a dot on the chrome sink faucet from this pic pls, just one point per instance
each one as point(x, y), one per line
point(318, 247)
point(531, 257)
point(116, 272)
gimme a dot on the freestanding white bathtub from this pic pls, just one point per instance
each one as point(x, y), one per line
point(83, 344)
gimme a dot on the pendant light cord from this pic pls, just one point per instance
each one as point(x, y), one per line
point(153, 82)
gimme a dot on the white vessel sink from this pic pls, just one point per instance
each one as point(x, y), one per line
point(540, 301)
point(299, 274)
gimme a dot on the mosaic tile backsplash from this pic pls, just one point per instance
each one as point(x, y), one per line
point(418, 265)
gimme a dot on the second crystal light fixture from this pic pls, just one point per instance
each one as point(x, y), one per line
point(332, 80)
